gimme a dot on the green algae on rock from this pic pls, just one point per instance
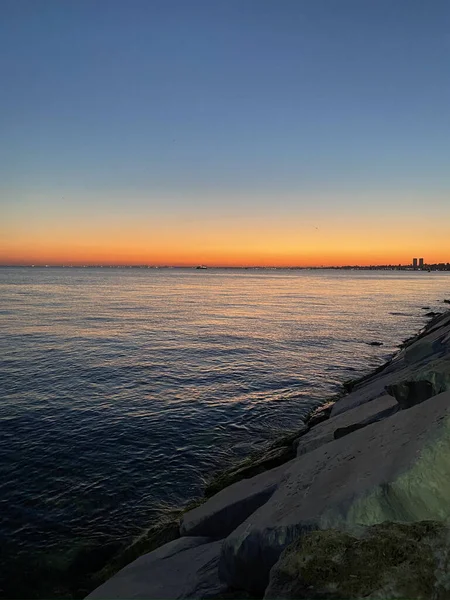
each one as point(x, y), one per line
point(389, 560)
point(321, 413)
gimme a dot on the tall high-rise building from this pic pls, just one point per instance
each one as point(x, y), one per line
point(415, 263)
point(420, 263)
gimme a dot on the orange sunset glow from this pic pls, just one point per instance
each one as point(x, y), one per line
point(259, 240)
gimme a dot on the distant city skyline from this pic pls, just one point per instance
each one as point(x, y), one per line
point(440, 266)
point(239, 133)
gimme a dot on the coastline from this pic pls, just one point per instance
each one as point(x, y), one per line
point(184, 522)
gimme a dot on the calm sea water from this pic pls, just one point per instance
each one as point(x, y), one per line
point(121, 389)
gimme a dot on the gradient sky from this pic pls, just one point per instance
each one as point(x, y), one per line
point(228, 132)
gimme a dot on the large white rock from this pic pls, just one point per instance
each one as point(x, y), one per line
point(372, 388)
point(397, 469)
point(324, 432)
point(184, 568)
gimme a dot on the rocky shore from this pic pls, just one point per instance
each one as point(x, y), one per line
point(354, 504)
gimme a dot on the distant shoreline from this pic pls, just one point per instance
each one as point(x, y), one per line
point(439, 267)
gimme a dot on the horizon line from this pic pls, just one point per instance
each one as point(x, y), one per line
point(216, 266)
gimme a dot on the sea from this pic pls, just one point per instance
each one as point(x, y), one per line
point(123, 390)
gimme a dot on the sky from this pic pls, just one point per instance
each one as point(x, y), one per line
point(224, 132)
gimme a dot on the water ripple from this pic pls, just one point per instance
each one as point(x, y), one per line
point(122, 389)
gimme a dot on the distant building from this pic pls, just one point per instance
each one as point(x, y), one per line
point(420, 263)
point(415, 263)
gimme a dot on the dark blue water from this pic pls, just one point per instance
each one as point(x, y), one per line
point(122, 389)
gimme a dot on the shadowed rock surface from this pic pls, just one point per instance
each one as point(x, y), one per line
point(410, 393)
point(184, 568)
point(222, 513)
point(390, 560)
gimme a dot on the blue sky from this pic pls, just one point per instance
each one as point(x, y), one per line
point(244, 102)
